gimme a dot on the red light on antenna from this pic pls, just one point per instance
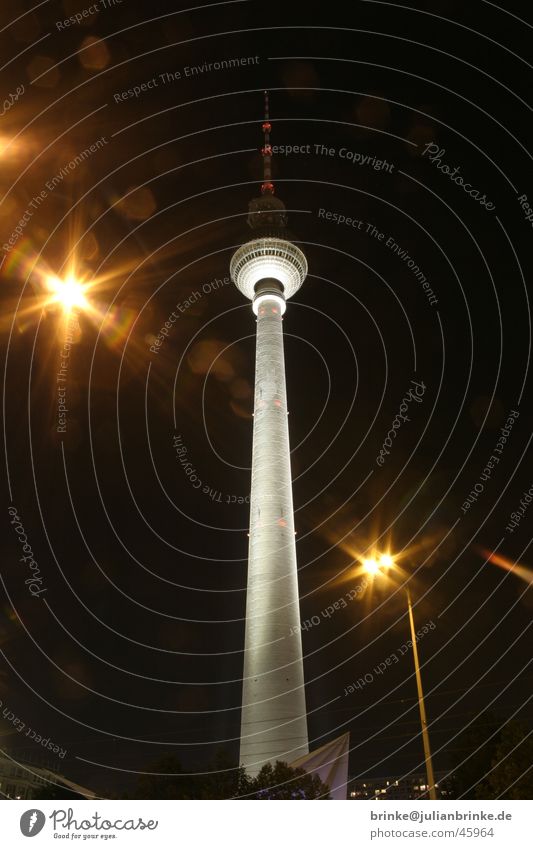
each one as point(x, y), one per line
point(267, 188)
point(267, 127)
point(266, 150)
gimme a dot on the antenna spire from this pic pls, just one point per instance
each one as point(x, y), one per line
point(267, 214)
point(267, 187)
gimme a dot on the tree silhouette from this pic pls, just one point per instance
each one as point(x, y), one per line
point(494, 760)
point(221, 780)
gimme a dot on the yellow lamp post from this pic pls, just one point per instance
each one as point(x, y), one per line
point(378, 567)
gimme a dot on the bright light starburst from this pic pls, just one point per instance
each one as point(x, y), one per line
point(371, 566)
point(386, 560)
point(70, 292)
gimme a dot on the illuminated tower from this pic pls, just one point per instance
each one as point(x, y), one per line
point(268, 269)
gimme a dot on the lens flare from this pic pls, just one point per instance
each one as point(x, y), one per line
point(371, 566)
point(522, 572)
point(70, 292)
point(386, 560)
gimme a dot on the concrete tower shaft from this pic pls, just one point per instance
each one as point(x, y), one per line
point(274, 723)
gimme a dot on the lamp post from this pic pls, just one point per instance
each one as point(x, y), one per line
point(376, 567)
point(421, 703)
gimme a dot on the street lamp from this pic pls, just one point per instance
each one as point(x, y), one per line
point(371, 566)
point(69, 295)
point(376, 567)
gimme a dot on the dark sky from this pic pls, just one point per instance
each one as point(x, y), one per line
point(135, 648)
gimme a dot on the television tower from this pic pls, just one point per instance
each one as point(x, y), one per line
point(268, 270)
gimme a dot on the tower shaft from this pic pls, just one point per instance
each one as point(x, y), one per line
point(273, 724)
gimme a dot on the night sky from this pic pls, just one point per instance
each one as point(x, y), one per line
point(128, 646)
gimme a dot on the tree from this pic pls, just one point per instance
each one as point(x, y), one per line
point(511, 774)
point(283, 782)
point(494, 760)
point(54, 791)
point(221, 780)
point(166, 780)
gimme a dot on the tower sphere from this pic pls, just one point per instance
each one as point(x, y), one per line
point(268, 258)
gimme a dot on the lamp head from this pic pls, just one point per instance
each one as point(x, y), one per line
point(68, 292)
